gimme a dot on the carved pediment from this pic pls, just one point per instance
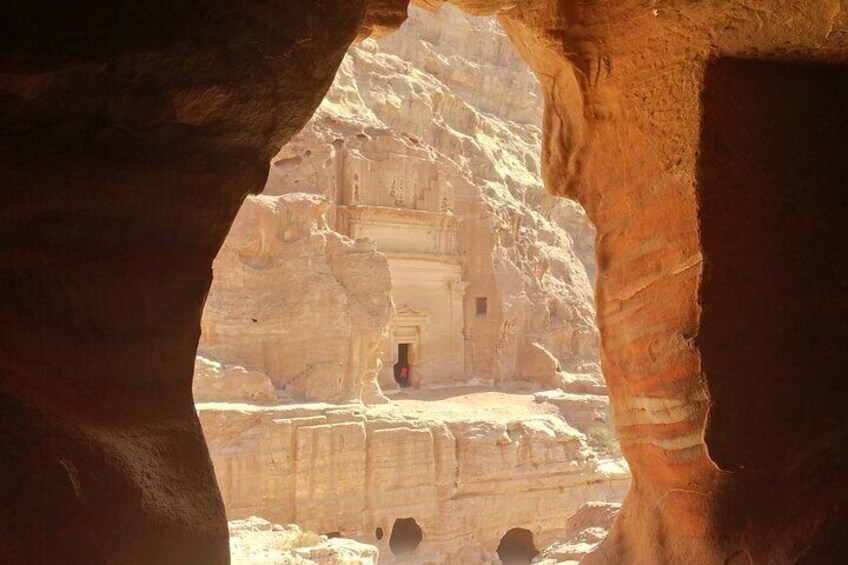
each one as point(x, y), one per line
point(410, 313)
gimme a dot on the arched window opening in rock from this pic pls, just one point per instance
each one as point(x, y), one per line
point(378, 533)
point(402, 367)
point(406, 536)
point(517, 547)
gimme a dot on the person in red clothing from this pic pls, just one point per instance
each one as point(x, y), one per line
point(403, 377)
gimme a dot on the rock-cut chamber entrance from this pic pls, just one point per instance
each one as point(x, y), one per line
point(773, 176)
point(402, 368)
point(406, 536)
point(517, 547)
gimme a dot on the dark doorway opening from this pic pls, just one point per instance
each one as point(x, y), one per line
point(378, 533)
point(517, 547)
point(406, 535)
point(482, 306)
point(402, 368)
point(772, 205)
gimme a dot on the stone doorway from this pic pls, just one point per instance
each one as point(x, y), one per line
point(403, 369)
point(517, 547)
point(406, 536)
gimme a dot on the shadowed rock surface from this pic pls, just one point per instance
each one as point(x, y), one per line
point(129, 136)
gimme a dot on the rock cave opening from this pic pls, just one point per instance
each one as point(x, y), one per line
point(772, 186)
point(517, 547)
point(403, 368)
point(482, 306)
point(406, 536)
point(393, 316)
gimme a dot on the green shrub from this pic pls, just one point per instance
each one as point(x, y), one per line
point(605, 438)
point(307, 539)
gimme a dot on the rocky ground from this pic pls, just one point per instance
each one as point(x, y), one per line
point(254, 541)
point(467, 463)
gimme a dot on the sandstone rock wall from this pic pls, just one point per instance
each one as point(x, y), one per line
point(445, 116)
point(298, 302)
point(669, 122)
point(408, 149)
point(352, 470)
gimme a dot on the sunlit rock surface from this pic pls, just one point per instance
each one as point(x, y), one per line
point(467, 469)
point(429, 142)
point(586, 529)
point(255, 541)
point(298, 302)
point(130, 136)
point(705, 142)
point(425, 157)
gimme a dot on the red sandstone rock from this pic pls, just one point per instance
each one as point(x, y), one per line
point(690, 135)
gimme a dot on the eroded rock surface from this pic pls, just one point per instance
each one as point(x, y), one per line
point(466, 468)
point(129, 136)
point(256, 541)
point(219, 382)
point(381, 159)
point(436, 131)
point(587, 527)
point(298, 302)
point(689, 132)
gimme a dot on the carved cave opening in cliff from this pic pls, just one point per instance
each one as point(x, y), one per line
point(403, 369)
point(406, 536)
point(772, 186)
point(517, 547)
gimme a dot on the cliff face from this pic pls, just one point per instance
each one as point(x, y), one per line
point(299, 302)
point(465, 472)
point(444, 116)
point(443, 174)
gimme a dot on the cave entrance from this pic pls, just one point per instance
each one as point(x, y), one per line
point(402, 368)
point(772, 180)
point(406, 536)
point(356, 277)
point(772, 185)
point(517, 547)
